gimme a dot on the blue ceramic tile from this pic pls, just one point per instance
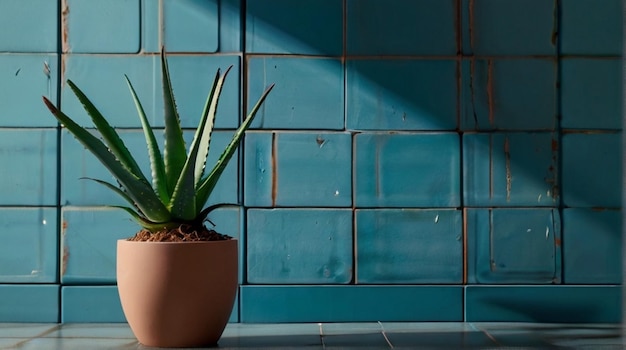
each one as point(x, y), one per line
point(308, 92)
point(102, 80)
point(36, 22)
point(401, 94)
point(298, 169)
point(592, 172)
point(102, 26)
point(591, 91)
point(557, 304)
point(592, 246)
point(230, 26)
point(28, 253)
point(259, 170)
point(88, 304)
point(151, 25)
point(192, 79)
point(516, 27)
point(78, 163)
point(407, 170)
point(513, 245)
point(88, 246)
point(190, 25)
point(350, 303)
point(510, 169)
point(284, 26)
point(409, 246)
point(25, 78)
point(33, 182)
point(591, 28)
point(401, 27)
point(299, 246)
point(29, 303)
point(509, 94)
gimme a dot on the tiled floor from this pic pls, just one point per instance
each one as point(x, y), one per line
point(333, 336)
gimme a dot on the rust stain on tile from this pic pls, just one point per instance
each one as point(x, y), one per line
point(555, 25)
point(507, 165)
point(490, 92)
point(65, 33)
point(65, 260)
point(66, 253)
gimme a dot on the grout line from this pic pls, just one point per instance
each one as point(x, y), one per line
point(322, 335)
point(385, 335)
point(40, 335)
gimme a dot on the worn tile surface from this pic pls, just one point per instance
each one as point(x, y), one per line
point(29, 250)
point(409, 246)
point(517, 245)
point(86, 33)
point(379, 28)
point(299, 246)
point(29, 167)
point(510, 169)
point(407, 170)
point(269, 30)
point(401, 94)
point(308, 92)
point(591, 93)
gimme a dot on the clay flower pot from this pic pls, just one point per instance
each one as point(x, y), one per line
point(177, 294)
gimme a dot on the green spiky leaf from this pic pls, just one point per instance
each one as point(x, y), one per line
point(138, 190)
point(207, 185)
point(174, 153)
point(159, 179)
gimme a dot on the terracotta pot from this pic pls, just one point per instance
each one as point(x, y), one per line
point(177, 294)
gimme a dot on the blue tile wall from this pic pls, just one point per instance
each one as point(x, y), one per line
point(514, 246)
point(509, 94)
point(557, 304)
point(351, 303)
point(591, 93)
point(589, 29)
point(29, 251)
point(510, 169)
point(401, 246)
point(298, 169)
point(493, 27)
point(417, 160)
point(299, 246)
point(313, 100)
point(381, 27)
point(25, 78)
point(401, 95)
point(30, 26)
point(592, 171)
point(270, 31)
point(29, 167)
point(30, 303)
point(85, 33)
point(407, 170)
point(591, 249)
point(191, 25)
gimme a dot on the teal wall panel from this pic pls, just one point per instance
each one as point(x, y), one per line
point(417, 160)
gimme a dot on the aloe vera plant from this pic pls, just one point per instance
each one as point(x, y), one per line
point(180, 188)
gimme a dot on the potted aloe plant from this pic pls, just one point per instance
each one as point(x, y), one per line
point(177, 279)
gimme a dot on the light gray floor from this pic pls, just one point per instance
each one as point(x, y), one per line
point(333, 336)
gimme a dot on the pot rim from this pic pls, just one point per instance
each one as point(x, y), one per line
point(125, 240)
